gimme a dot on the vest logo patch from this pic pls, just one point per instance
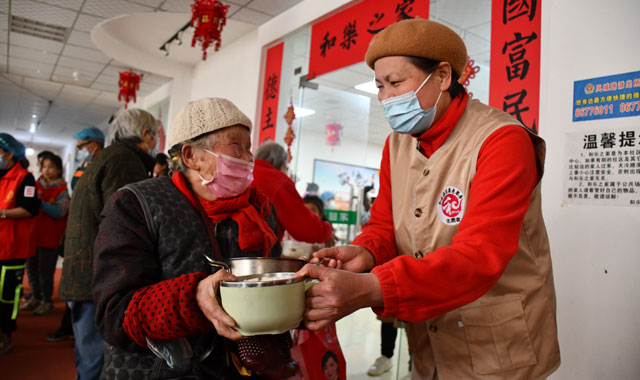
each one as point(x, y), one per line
point(29, 191)
point(451, 205)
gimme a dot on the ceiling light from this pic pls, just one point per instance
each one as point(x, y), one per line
point(30, 151)
point(369, 87)
point(32, 129)
point(302, 112)
point(34, 116)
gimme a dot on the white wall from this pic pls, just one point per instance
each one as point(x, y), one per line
point(597, 311)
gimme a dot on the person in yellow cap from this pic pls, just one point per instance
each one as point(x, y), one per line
point(456, 244)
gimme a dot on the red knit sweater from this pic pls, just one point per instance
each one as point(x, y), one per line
point(487, 238)
point(293, 215)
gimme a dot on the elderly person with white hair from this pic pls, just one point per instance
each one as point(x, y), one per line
point(156, 298)
point(127, 160)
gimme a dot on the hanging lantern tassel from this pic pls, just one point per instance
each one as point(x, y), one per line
point(208, 17)
point(333, 134)
point(129, 83)
point(290, 135)
point(470, 71)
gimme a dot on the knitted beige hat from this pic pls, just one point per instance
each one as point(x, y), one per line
point(203, 116)
point(419, 38)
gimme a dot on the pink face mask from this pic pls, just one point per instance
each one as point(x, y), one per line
point(233, 177)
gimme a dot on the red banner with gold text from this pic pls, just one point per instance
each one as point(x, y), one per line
point(342, 39)
point(270, 93)
point(514, 84)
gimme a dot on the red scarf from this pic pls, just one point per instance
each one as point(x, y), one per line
point(254, 233)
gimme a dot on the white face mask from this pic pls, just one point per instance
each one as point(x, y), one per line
point(83, 155)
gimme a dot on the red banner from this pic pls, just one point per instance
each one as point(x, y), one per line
point(342, 40)
point(270, 93)
point(514, 84)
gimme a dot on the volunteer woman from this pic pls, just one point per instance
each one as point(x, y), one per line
point(456, 243)
point(18, 205)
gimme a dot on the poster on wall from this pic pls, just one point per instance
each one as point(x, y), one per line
point(602, 167)
point(342, 39)
point(338, 182)
point(514, 84)
point(607, 97)
point(270, 93)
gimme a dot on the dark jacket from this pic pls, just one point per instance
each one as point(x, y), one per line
point(166, 240)
point(119, 164)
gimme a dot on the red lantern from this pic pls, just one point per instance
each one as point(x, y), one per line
point(211, 17)
point(290, 135)
point(129, 83)
point(333, 134)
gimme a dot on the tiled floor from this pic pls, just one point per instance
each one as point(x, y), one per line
point(359, 336)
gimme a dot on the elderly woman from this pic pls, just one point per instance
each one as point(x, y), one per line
point(127, 160)
point(157, 305)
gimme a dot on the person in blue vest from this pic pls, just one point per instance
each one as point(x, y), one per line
point(18, 206)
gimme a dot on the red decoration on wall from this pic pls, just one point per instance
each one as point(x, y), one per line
point(290, 135)
point(342, 39)
point(334, 131)
point(469, 73)
point(211, 17)
point(514, 83)
point(271, 93)
point(129, 83)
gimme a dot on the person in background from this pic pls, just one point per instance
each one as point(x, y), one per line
point(293, 216)
point(157, 304)
point(19, 205)
point(456, 244)
point(316, 205)
point(50, 226)
point(161, 168)
point(126, 160)
point(40, 158)
point(90, 142)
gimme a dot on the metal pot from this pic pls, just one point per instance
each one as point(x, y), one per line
point(245, 266)
point(262, 304)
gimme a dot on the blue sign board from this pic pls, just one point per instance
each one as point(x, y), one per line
point(607, 97)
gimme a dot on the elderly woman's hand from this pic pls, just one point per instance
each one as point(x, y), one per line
point(208, 303)
point(349, 257)
point(339, 293)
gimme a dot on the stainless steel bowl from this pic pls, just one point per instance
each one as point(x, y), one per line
point(261, 280)
point(245, 266)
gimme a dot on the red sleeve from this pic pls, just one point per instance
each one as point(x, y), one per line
point(296, 218)
point(487, 238)
point(165, 311)
point(378, 236)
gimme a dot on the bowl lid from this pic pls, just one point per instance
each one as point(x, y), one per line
point(264, 279)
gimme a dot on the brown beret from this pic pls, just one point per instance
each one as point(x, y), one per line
point(419, 38)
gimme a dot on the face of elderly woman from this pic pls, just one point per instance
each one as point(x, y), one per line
point(396, 75)
point(227, 145)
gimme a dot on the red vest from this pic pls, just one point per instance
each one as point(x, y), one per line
point(17, 239)
point(49, 230)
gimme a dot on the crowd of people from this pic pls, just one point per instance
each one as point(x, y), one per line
point(454, 244)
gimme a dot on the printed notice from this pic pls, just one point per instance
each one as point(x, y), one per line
point(603, 167)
